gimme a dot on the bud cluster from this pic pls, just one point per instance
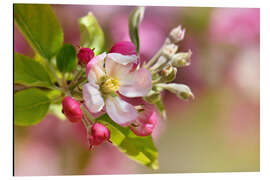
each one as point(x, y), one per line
point(119, 84)
point(163, 67)
point(168, 54)
point(97, 132)
point(77, 111)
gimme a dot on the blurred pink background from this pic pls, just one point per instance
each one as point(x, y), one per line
point(216, 132)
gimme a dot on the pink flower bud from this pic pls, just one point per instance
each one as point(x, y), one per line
point(145, 123)
point(85, 55)
point(124, 47)
point(71, 109)
point(98, 134)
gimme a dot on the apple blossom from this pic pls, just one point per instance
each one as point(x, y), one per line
point(109, 74)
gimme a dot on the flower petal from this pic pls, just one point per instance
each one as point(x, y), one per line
point(95, 68)
point(136, 84)
point(122, 59)
point(120, 111)
point(92, 98)
point(116, 70)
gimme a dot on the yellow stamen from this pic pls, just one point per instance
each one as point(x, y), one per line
point(109, 85)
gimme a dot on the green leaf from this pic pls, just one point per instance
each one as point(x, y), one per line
point(66, 59)
point(30, 106)
point(40, 27)
point(140, 149)
point(91, 33)
point(53, 95)
point(134, 21)
point(29, 72)
point(46, 65)
point(56, 109)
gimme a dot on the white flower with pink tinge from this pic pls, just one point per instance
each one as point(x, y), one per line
point(110, 74)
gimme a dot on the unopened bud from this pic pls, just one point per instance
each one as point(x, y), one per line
point(85, 55)
point(169, 50)
point(72, 109)
point(177, 34)
point(181, 59)
point(98, 134)
point(168, 74)
point(124, 47)
point(145, 123)
point(180, 90)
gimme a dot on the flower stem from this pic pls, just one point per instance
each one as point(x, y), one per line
point(89, 118)
point(86, 122)
point(56, 99)
point(156, 80)
point(157, 55)
point(54, 72)
point(154, 59)
point(80, 81)
point(75, 81)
